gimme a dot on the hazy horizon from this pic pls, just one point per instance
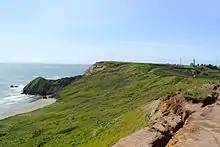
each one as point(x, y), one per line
point(89, 64)
point(87, 31)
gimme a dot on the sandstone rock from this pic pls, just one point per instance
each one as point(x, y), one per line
point(181, 124)
point(169, 124)
point(202, 129)
point(172, 118)
point(143, 138)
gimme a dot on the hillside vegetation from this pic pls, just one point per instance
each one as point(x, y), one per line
point(110, 102)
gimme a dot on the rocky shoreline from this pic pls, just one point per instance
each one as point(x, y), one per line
point(48, 88)
point(42, 92)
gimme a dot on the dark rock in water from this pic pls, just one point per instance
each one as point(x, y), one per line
point(13, 86)
point(44, 87)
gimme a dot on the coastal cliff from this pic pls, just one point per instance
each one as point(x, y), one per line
point(112, 102)
point(44, 87)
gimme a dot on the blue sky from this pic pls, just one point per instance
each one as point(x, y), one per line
point(86, 31)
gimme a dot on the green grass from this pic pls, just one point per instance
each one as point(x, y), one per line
point(98, 110)
point(197, 94)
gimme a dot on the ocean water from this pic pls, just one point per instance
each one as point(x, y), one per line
point(21, 74)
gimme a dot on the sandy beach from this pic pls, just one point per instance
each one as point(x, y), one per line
point(40, 103)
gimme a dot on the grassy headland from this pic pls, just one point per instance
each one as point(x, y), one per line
point(104, 106)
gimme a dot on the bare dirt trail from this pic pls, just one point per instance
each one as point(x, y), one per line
point(202, 129)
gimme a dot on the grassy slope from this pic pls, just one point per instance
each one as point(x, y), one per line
point(100, 109)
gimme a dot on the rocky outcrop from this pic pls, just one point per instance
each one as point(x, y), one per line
point(102, 66)
point(44, 87)
point(202, 128)
point(173, 116)
point(95, 68)
point(143, 138)
point(13, 86)
point(182, 123)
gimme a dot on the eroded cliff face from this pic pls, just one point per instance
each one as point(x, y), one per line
point(173, 114)
point(202, 129)
point(100, 67)
point(182, 123)
point(95, 68)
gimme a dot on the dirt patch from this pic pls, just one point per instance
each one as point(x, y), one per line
point(207, 87)
point(201, 129)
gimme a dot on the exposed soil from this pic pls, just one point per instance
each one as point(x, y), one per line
point(182, 123)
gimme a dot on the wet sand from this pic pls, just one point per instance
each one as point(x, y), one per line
point(37, 104)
